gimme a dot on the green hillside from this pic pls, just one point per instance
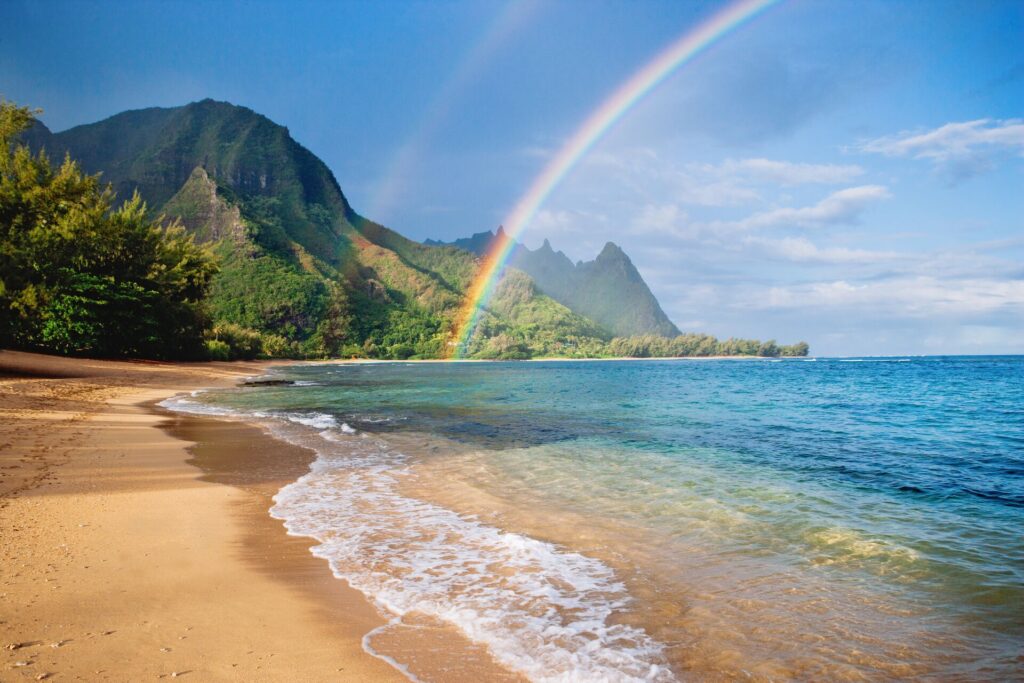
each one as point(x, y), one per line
point(300, 271)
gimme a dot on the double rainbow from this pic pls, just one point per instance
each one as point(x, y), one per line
point(595, 126)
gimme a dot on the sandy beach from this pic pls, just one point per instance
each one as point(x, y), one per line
point(137, 543)
point(122, 561)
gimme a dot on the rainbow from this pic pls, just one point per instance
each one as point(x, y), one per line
point(593, 129)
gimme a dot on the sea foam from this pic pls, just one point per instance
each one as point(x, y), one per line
point(180, 404)
point(540, 609)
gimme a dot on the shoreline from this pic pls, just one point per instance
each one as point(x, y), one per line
point(544, 359)
point(122, 560)
point(247, 457)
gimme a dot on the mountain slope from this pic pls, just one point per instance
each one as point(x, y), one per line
point(609, 290)
point(298, 264)
point(156, 150)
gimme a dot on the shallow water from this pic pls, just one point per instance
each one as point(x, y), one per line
point(844, 519)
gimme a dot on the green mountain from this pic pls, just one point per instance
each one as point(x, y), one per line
point(301, 273)
point(609, 290)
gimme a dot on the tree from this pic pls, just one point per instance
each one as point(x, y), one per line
point(798, 349)
point(769, 349)
point(77, 277)
point(505, 347)
point(335, 328)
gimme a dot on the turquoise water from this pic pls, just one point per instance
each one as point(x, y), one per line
point(845, 519)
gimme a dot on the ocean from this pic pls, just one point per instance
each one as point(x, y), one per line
point(796, 519)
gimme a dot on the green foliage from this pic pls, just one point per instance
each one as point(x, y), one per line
point(265, 292)
point(400, 332)
point(768, 349)
point(335, 324)
point(798, 349)
point(227, 341)
point(697, 345)
point(242, 343)
point(523, 323)
point(504, 346)
point(454, 268)
point(276, 346)
point(217, 350)
point(80, 278)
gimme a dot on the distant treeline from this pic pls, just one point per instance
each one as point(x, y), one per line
point(513, 345)
point(685, 345)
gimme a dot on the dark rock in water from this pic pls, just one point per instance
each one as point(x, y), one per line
point(267, 382)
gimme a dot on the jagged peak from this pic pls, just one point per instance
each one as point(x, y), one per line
point(612, 251)
point(204, 212)
point(199, 173)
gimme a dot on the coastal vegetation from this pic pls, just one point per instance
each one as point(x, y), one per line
point(697, 345)
point(78, 275)
point(238, 243)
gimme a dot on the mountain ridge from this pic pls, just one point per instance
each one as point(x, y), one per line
point(609, 289)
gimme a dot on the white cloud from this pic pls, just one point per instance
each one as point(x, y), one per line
point(736, 181)
point(546, 218)
point(581, 234)
point(731, 182)
point(842, 207)
point(964, 148)
point(802, 250)
point(669, 220)
point(786, 173)
point(713, 193)
point(550, 223)
point(920, 296)
point(661, 219)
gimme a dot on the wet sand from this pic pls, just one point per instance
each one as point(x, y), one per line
point(118, 562)
point(247, 458)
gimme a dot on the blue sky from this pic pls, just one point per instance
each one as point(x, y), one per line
point(849, 173)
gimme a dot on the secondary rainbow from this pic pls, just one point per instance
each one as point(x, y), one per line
point(513, 17)
point(595, 126)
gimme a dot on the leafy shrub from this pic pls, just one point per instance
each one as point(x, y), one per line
point(242, 343)
point(217, 350)
point(276, 346)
